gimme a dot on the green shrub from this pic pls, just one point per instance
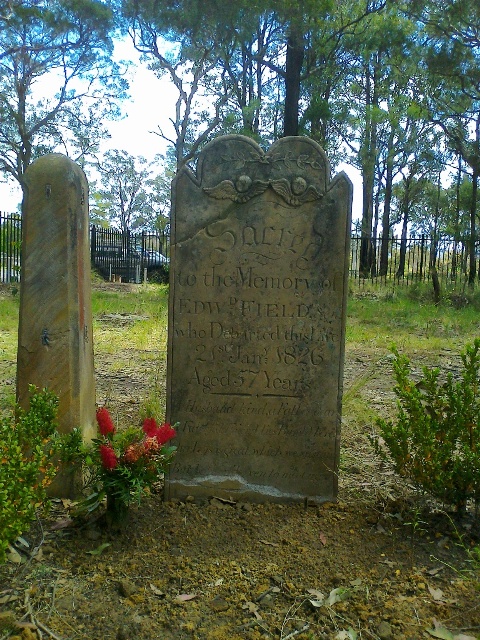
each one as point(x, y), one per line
point(27, 449)
point(159, 275)
point(435, 439)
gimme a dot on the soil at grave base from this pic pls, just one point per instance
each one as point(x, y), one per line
point(219, 571)
point(227, 572)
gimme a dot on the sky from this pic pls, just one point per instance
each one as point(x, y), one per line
point(152, 103)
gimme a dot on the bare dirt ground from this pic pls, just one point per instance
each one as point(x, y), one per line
point(373, 565)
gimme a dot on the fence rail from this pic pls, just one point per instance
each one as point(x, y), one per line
point(10, 247)
point(409, 260)
point(130, 256)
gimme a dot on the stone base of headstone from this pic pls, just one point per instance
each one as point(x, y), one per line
point(55, 339)
point(258, 286)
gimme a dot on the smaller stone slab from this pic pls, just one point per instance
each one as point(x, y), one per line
point(258, 284)
point(55, 339)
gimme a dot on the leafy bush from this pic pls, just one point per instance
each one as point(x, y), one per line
point(160, 274)
point(27, 449)
point(435, 440)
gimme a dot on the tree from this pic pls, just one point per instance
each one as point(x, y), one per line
point(247, 62)
point(192, 64)
point(131, 195)
point(332, 73)
point(451, 40)
point(412, 153)
point(311, 26)
point(155, 208)
point(253, 68)
point(409, 194)
point(68, 42)
point(379, 94)
point(463, 195)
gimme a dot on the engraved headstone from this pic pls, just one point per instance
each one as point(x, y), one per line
point(55, 341)
point(258, 281)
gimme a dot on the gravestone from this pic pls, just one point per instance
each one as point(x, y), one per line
point(258, 283)
point(55, 340)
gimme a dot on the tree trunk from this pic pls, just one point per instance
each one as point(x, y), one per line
point(403, 240)
point(436, 285)
point(403, 246)
point(473, 235)
point(475, 164)
point(293, 70)
point(456, 225)
point(386, 209)
point(374, 243)
point(368, 161)
point(434, 236)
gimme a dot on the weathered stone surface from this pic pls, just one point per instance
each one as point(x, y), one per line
point(55, 340)
point(257, 317)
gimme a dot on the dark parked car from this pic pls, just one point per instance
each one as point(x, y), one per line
point(153, 258)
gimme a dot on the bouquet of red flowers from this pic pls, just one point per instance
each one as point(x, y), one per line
point(123, 465)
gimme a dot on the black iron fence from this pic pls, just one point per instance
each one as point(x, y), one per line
point(132, 257)
point(128, 256)
point(10, 247)
point(404, 261)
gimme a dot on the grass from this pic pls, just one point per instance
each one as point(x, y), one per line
point(423, 331)
point(145, 299)
point(129, 321)
point(136, 320)
point(9, 305)
point(131, 327)
point(413, 325)
point(132, 322)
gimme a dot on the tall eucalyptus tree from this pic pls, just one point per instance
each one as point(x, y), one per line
point(187, 40)
point(68, 41)
point(252, 63)
point(131, 194)
point(381, 91)
point(451, 41)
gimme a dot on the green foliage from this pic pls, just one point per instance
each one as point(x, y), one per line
point(132, 195)
point(436, 436)
point(27, 450)
point(160, 275)
point(378, 316)
point(70, 43)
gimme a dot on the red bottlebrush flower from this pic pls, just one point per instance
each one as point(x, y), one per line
point(151, 444)
point(108, 456)
point(105, 422)
point(134, 452)
point(165, 433)
point(150, 427)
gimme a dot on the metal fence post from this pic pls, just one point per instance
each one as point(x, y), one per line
point(93, 243)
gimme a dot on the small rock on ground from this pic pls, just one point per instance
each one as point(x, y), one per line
point(384, 631)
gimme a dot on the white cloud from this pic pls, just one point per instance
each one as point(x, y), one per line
point(151, 104)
